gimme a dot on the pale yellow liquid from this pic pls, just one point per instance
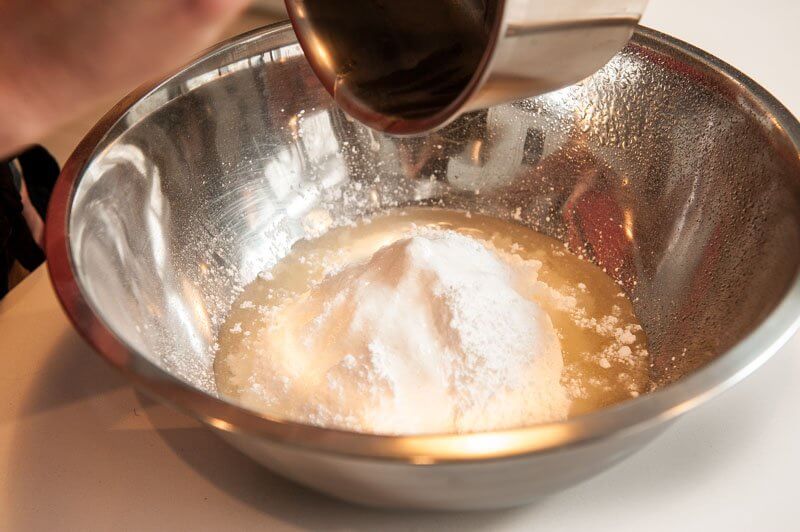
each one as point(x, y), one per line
point(595, 373)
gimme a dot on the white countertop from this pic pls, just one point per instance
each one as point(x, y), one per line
point(81, 450)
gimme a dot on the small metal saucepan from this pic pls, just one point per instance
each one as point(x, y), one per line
point(411, 66)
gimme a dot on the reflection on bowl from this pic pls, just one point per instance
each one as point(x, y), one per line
point(668, 168)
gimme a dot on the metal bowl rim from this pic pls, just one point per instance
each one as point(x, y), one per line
point(630, 417)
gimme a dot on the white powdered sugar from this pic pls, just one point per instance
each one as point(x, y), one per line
point(433, 334)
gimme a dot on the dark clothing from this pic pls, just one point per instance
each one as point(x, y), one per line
point(39, 170)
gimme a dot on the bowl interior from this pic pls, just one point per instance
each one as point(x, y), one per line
point(660, 168)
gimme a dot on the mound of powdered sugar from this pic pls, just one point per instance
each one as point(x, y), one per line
point(433, 334)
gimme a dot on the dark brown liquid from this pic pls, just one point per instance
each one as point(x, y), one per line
point(402, 58)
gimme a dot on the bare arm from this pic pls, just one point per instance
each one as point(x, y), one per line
point(57, 57)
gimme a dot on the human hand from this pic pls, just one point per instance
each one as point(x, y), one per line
point(57, 57)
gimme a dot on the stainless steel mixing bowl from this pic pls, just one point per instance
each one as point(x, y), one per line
point(669, 168)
